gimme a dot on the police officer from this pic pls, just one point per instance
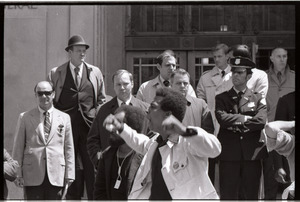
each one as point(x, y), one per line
point(241, 114)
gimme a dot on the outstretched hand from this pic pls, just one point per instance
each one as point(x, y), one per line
point(172, 125)
point(114, 123)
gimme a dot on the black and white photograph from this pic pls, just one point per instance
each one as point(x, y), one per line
point(153, 100)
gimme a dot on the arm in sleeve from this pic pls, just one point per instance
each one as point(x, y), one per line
point(200, 90)
point(100, 192)
point(138, 142)
point(140, 94)
point(19, 143)
point(207, 122)
point(93, 140)
point(10, 167)
point(224, 118)
point(69, 151)
point(203, 144)
point(257, 122)
point(101, 89)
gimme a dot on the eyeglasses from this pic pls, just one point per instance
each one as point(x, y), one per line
point(46, 93)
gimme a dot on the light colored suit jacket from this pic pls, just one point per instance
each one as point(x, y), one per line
point(35, 155)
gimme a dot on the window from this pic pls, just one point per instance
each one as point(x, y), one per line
point(202, 65)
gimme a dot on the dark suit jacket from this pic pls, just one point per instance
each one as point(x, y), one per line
point(285, 110)
point(103, 178)
point(97, 139)
point(239, 138)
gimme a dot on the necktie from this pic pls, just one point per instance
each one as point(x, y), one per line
point(123, 103)
point(77, 77)
point(47, 125)
point(279, 77)
point(239, 95)
point(167, 83)
point(223, 73)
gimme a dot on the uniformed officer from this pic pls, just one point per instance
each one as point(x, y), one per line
point(242, 115)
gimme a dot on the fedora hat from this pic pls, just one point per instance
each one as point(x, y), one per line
point(76, 40)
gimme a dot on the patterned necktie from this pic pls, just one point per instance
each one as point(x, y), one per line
point(77, 77)
point(166, 83)
point(223, 73)
point(47, 125)
point(239, 95)
point(279, 77)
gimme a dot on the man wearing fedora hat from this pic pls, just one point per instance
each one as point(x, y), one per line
point(79, 90)
point(241, 114)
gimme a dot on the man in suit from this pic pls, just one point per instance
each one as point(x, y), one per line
point(166, 64)
point(79, 90)
point(241, 115)
point(98, 136)
point(111, 184)
point(44, 148)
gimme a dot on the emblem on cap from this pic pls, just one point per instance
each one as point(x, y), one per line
point(237, 61)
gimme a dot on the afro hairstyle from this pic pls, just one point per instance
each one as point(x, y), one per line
point(134, 117)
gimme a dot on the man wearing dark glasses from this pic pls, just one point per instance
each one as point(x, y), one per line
point(242, 115)
point(44, 148)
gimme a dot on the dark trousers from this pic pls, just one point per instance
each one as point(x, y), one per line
point(45, 191)
point(240, 176)
point(211, 169)
point(270, 167)
point(80, 131)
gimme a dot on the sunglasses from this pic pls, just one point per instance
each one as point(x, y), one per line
point(46, 93)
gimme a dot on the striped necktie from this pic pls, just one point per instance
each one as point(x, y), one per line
point(47, 125)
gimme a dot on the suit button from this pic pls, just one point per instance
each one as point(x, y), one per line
point(241, 137)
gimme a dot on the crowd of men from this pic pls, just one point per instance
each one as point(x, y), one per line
point(168, 142)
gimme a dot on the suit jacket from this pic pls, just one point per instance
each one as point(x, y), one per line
point(285, 110)
point(240, 138)
point(103, 177)
point(57, 76)
point(198, 114)
point(34, 155)
point(98, 136)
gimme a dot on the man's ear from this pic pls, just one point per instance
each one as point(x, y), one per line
point(158, 66)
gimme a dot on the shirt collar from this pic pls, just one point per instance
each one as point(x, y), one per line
point(237, 91)
point(227, 69)
point(42, 111)
point(73, 66)
point(127, 101)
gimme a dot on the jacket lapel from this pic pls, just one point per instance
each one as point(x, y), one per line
point(37, 124)
point(54, 124)
point(215, 76)
point(245, 98)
